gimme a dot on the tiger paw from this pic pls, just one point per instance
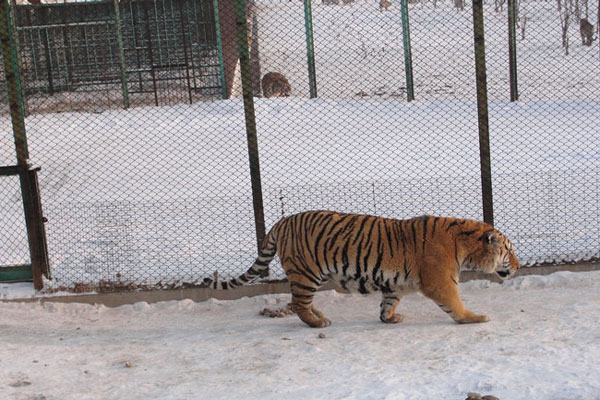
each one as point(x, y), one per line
point(474, 319)
point(322, 323)
point(394, 319)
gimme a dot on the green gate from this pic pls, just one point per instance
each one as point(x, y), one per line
point(118, 53)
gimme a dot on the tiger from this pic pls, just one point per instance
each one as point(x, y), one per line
point(384, 5)
point(367, 253)
point(275, 84)
point(586, 30)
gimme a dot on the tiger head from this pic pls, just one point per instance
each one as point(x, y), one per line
point(495, 254)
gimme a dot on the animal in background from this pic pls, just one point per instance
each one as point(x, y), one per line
point(275, 84)
point(384, 5)
point(366, 253)
point(586, 29)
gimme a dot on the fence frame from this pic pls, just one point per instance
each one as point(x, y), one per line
point(122, 67)
point(512, 50)
point(482, 113)
point(310, 49)
point(408, 68)
point(250, 117)
point(32, 206)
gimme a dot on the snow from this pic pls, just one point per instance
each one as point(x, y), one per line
point(543, 342)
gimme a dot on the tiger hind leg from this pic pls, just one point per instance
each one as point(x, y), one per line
point(302, 298)
point(388, 305)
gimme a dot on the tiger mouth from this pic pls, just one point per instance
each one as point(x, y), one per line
point(503, 274)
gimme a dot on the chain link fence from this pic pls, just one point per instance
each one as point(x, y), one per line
point(135, 114)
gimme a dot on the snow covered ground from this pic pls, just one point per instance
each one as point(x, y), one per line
point(543, 342)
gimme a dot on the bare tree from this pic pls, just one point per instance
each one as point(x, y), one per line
point(499, 5)
point(565, 12)
point(522, 17)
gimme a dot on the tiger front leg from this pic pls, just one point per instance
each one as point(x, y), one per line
point(388, 305)
point(444, 292)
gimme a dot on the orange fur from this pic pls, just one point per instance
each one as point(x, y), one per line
point(368, 253)
point(384, 5)
point(275, 84)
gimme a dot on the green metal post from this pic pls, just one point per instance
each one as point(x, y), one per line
point(244, 54)
point(14, 32)
point(158, 13)
point(184, 37)
point(47, 56)
point(482, 112)
point(512, 49)
point(68, 50)
point(13, 83)
point(121, 54)
point(149, 46)
point(410, 91)
point(220, 48)
point(27, 175)
point(310, 49)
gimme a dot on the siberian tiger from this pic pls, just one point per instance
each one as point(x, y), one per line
point(368, 253)
point(384, 5)
point(586, 30)
point(275, 84)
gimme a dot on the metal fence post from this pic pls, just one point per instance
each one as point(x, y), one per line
point(482, 112)
point(121, 55)
point(29, 187)
point(184, 33)
point(15, 35)
point(512, 49)
point(244, 54)
point(310, 49)
point(410, 92)
point(220, 49)
point(42, 14)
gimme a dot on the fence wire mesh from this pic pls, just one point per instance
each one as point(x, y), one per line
point(135, 116)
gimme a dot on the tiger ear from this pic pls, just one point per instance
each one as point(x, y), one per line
point(491, 239)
